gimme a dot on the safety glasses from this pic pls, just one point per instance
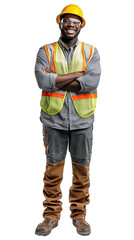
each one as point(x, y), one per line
point(75, 21)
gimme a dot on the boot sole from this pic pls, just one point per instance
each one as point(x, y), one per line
point(84, 233)
point(39, 233)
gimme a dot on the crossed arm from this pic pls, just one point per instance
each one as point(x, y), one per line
point(66, 81)
point(77, 81)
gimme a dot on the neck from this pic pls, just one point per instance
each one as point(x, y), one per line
point(69, 42)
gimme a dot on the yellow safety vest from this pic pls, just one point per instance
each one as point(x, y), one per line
point(52, 102)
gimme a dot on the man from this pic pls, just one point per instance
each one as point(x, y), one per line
point(68, 72)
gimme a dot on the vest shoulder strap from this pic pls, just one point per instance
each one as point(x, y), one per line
point(48, 48)
point(89, 51)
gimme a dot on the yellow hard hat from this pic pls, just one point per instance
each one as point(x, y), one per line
point(72, 9)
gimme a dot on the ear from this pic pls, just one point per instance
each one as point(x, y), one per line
point(60, 26)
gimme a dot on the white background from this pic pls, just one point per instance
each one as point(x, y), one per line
point(26, 26)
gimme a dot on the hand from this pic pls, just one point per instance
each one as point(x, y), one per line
point(48, 70)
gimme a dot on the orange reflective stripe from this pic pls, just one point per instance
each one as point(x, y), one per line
point(91, 53)
point(53, 62)
point(83, 55)
point(53, 94)
point(46, 49)
point(83, 96)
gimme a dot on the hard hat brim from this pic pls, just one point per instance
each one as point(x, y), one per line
point(83, 20)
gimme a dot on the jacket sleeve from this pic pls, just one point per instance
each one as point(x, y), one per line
point(90, 80)
point(46, 81)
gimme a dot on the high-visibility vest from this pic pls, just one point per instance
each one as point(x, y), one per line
point(52, 102)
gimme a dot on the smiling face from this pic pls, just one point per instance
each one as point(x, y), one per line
point(70, 27)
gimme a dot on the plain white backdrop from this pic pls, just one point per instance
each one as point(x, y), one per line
point(25, 27)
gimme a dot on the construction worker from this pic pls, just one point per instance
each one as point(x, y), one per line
point(68, 72)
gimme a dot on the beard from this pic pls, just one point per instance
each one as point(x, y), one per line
point(68, 37)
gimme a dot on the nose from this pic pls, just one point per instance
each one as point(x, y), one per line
point(70, 23)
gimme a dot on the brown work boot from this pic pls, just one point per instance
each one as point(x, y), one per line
point(82, 227)
point(46, 226)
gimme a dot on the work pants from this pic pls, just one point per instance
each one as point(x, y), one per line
point(80, 146)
